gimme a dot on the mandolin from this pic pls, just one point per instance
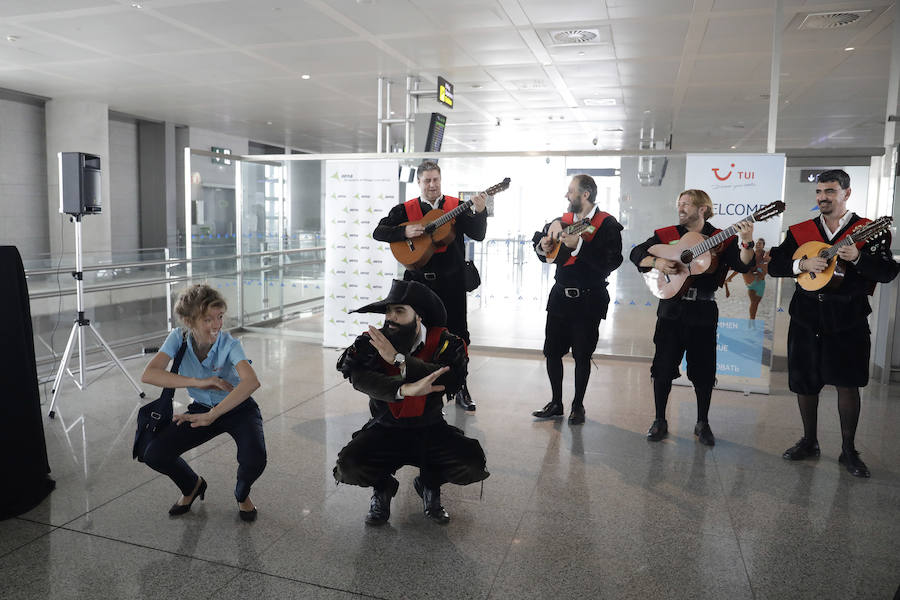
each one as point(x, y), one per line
point(833, 274)
point(415, 253)
point(695, 255)
point(582, 226)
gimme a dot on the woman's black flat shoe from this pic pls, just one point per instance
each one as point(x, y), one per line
point(180, 509)
point(248, 515)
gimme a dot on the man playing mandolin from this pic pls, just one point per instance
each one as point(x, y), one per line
point(585, 252)
point(444, 271)
point(828, 338)
point(687, 323)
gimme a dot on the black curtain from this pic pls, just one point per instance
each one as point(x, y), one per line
point(24, 469)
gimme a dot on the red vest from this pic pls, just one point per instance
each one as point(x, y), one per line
point(414, 406)
point(808, 232)
point(596, 221)
point(414, 213)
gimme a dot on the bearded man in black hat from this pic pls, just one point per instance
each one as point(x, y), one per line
point(405, 368)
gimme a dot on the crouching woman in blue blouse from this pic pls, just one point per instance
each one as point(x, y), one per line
point(219, 379)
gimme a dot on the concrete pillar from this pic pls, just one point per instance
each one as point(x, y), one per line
point(156, 142)
point(78, 126)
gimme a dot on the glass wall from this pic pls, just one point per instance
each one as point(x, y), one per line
point(508, 309)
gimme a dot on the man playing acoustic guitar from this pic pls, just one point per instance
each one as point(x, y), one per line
point(828, 338)
point(444, 272)
point(578, 299)
point(688, 323)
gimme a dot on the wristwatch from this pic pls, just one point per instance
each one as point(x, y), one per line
point(400, 361)
point(747, 245)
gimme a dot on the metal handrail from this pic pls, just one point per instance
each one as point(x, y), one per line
point(172, 261)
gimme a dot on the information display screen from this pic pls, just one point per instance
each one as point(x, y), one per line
point(435, 132)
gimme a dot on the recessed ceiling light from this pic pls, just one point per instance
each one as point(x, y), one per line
point(581, 54)
point(647, 112)
point(849, 49)
point(268, 122)
point(476, 86)
point(734, 147)
point(304, 76)
point(137, 5)
point(12, 39)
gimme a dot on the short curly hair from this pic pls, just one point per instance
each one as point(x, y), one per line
point(699, 198)
point(194, 301)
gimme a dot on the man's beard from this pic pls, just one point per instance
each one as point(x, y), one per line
point(401, 338)
point(574, 206)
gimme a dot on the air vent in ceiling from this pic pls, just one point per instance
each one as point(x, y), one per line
point(529, 84)
point(567, 37)
point(832, 20)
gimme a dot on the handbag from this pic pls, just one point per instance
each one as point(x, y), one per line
point(471, 277)
point(154, 416)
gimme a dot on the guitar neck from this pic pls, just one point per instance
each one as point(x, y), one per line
point(711, 242)
point(446, 217)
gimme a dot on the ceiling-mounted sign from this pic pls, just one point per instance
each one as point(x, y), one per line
point(445, 92)
point(220, 161)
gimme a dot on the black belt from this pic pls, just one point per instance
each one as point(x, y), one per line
point(693, 294)
point(820, 297)
point(574, 292)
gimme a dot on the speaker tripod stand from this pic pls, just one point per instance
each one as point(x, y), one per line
point(78, 333)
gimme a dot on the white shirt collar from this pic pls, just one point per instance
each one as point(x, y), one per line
point(590, 215)
point(841, 224)
point(421, 339)
point(436, 202)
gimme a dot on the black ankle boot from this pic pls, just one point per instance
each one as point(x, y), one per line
point(431, 500)
point(380, 505)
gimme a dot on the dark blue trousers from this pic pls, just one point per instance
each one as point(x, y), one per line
point(243, 423)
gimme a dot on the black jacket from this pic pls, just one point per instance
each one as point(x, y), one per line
point(448, 264)
point(848, 305)
point(368, 372)
point(594, 263)
point(675, 308)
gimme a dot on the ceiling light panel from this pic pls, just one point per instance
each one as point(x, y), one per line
point(260, 22)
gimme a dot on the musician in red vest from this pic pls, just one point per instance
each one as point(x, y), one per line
point(444, 272)
point(828, 338)
point(404, 368)
point(578, 300)
point(687, 324)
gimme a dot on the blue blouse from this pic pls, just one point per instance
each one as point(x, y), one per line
point(225, 353)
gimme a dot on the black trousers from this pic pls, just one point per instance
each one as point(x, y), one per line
point(675, 337)
point(817, 358)
point(243, 423)
point(575, 332)
point(452, 292)
point(442, 453)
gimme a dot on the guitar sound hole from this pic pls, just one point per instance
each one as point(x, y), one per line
point(687, 256)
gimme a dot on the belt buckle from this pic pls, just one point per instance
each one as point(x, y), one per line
point(572, 292)
point(430, 276)
point(690, 294)
point(820, 297)
point(155, 415)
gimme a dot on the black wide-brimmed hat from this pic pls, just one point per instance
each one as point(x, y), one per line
point(425, 302)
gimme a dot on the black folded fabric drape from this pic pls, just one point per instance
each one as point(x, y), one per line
point(24, 468)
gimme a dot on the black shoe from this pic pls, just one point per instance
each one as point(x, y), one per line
point(180, 509)
point(576, 417)
point(380, 506)
point(248, 515)
point(431, 500)
point(658, 430)
point(464, 399)
point(855, 465)
point(704, 434)
point(802, 449)
point(551, 409)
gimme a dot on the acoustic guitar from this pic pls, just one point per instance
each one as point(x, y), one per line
point(694, 254)
point(833, 274)
point(415, 253)
point(582, 226)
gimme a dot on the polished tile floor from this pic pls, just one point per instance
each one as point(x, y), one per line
point(592, 511)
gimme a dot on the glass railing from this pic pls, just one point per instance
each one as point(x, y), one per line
point(128, 296)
